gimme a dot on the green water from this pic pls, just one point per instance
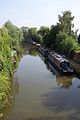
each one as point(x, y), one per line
point(41, 93)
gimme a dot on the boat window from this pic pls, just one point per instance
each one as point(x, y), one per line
point(65, 65)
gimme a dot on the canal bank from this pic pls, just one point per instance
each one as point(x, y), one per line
point(76, 66)
point(43, 94)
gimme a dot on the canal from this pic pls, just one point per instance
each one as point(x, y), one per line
point(41, 93)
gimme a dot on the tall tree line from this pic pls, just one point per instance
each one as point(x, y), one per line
point(59, 37)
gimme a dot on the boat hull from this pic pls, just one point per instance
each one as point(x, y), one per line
point(43, 53)
point(60, 70)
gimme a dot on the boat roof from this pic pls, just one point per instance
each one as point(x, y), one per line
point(59, 57)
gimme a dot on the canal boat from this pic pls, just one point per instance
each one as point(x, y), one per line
point(43, 51)
point(33, 43)
point(37, 45)
point(61, 64)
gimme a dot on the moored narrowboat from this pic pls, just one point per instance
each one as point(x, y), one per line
point(37, 46)
point(62, 64)
point(43, 51)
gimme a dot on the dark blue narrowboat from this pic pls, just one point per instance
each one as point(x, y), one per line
point(62, 64)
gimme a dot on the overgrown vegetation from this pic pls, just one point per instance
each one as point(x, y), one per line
point(10, 37)
point(31, 34)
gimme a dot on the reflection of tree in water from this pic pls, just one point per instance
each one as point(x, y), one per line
point(64, 81)
point(29, 49)
point(11, 100)
point(15, 88)
point(32, 52)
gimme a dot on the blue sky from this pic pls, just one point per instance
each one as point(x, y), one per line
point(37, 12)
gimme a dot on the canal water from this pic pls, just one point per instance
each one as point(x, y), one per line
point(41, 93)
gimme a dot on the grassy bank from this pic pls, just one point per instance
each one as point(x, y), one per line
point(5, 87)
point(9, 39)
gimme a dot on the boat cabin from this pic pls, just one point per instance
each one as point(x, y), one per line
point(60, 62)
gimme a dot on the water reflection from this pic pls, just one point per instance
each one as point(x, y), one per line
point(64, 81)
point(29, 50)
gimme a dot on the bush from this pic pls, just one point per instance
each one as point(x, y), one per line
point(65, 44)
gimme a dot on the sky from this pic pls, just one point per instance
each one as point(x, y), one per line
point(35, 13)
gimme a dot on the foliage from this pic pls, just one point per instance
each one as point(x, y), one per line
point(37, 38)
point(66, 22)
point(50, 38)
point(10, 37)
point(5, 85)
point(25, 32)
point(15, 33)
point(32, 31)
point(66, 44)
point(5, 50)
point(61, 36)
point(6, 69)
point(43, 30)
point(31, 34)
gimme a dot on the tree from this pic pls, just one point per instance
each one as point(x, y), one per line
point(6, 66)
point(66, 22)
point(25, 32)
point(37, 38)
point(66, 44)
point(5, 51)
point(43, 30)
point(31, 33)
point(15, 33)
point(50, 37)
